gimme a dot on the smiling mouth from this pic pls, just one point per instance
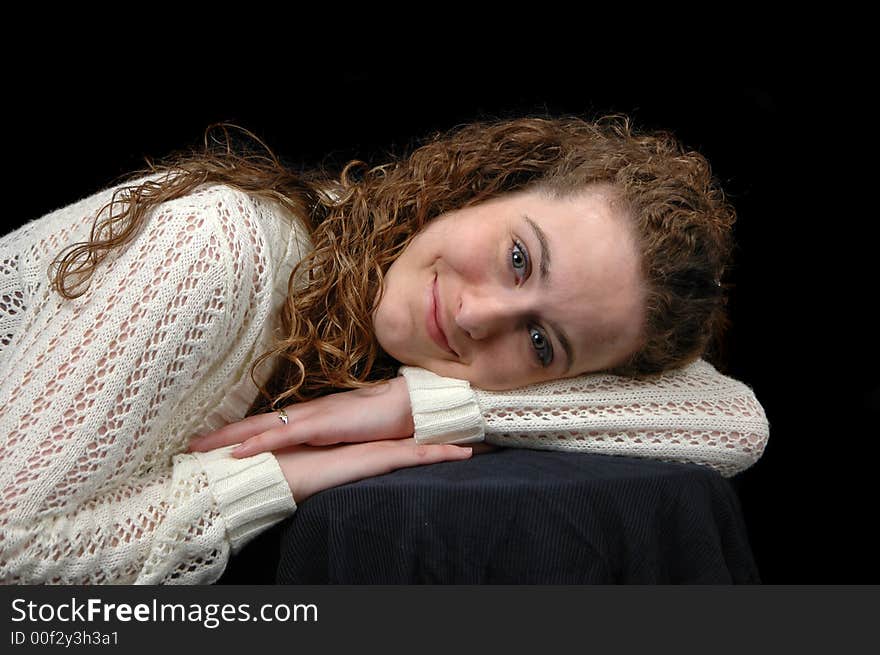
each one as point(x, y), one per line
point(433, 319)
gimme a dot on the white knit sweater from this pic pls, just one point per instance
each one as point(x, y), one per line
point(100, 395)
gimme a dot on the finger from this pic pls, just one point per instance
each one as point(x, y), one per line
point(316, 429)
point(274, 439)
point(311, 469)
point(382, 457)
point(235, 432)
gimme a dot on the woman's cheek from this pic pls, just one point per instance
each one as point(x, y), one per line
point(473, 262)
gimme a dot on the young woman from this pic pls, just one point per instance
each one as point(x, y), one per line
point(535, 282)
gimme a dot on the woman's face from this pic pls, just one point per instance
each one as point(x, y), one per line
point(516, 290)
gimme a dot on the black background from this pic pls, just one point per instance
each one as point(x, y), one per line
point(779, 126)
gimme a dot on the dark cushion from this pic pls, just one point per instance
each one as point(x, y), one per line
point(513, 516)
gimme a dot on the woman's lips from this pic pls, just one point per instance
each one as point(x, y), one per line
point(432, 319)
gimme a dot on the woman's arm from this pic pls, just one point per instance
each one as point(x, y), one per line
point(692, 414)
point(100, 394)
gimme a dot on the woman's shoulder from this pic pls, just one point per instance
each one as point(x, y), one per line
point(253, 234)
point(242, 215)
point(263, 227)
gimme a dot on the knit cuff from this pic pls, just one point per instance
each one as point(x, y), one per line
point(445, 410)
point(252, 493)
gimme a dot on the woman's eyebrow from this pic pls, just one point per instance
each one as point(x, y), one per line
point(544, 267)
point(566, 345)
point(545, 248)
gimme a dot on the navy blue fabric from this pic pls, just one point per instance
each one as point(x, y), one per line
point(513, 516)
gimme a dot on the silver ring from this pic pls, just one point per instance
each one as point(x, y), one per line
point(282, 416)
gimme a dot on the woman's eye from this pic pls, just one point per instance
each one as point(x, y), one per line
point(541, 345)
point(519, 258)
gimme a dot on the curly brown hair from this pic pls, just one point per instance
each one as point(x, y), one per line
point(360, 220)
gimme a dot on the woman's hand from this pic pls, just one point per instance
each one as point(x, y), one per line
point(310, 469)
point(369, 414)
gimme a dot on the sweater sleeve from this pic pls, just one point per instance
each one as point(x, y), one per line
point(692, 414)
point(100, 395)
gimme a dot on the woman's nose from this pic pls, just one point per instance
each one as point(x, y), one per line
point(483, 315)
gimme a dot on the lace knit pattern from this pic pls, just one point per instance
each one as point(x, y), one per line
point(99, 395)
point(693, 414)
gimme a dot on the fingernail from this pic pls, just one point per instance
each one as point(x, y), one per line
point(241, 451)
